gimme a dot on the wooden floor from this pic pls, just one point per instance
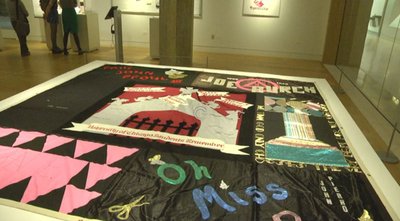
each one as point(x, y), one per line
point(20, 73)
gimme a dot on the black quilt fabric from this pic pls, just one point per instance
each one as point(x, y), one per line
point(133, 178)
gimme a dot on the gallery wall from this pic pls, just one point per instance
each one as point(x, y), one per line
point(298, 32)
point(36, 25)
point(378, 9)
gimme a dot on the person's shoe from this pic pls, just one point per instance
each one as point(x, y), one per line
point(56, 50)
point(24, 54)
point(66, 52)
point(80, 52)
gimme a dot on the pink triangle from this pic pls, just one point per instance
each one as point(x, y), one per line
point(75, 198)
point(99, 172)
point(7, 131)
point(56, 172)
point(26, 136)
point(6, 158)
point(83, 147)
point(17, 164)
point(53, 141)
point(115, 153)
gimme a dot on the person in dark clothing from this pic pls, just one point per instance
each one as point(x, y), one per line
point(70, 23)
point(18, 12)
point(49, 8)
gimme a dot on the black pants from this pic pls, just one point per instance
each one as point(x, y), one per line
point(22, 40)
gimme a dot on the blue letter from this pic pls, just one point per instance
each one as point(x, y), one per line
point(209, 194)
point(237, 199)
point(279, 193)
point(260, 199)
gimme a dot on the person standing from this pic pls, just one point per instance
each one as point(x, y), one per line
point(49, 7)
point(70, 23)
point(19, 14)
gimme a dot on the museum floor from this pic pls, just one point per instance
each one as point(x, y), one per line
point(18, 74)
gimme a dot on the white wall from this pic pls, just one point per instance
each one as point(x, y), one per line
point(101, 7)
point(378, 7)
point(35, 26)
point(299, 32)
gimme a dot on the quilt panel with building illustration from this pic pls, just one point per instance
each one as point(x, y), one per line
point(125, 142)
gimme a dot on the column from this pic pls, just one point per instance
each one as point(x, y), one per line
point(176, 32)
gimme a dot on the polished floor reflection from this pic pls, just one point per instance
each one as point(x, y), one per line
point(373, 65)
point(380, 65)
point(18, 74)
point(378, 78)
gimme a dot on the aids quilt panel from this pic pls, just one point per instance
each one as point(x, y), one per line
point(124, 142)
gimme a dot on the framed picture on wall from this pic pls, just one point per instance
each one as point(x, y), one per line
point(149, 7)
point(267, 8)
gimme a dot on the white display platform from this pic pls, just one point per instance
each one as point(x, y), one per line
point(384, 184)
point(154, 37)
point(88, 32)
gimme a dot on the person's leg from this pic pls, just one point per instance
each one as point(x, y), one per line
point(78, 44)
point(52, 19)
point(65, 41)
point(22, 42)
point(23, 45)
point(53, 35)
